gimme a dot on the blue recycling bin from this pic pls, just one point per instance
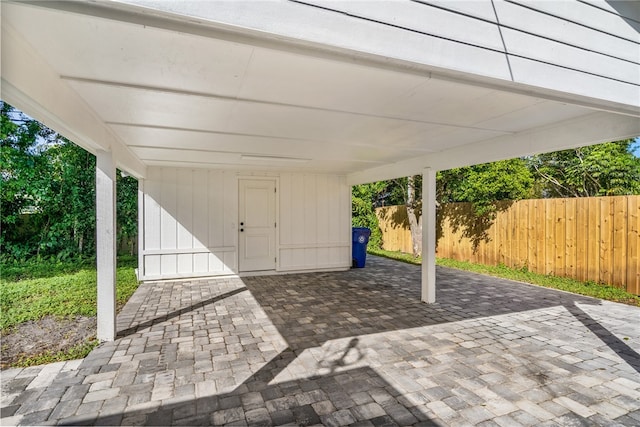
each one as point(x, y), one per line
point(360, 238)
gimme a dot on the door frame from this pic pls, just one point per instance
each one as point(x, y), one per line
point(276, 181)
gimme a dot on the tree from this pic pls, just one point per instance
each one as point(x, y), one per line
point(482, 185)
point(127, 211)
point(605, 169)
point(408, 191)
point(414, 213)
point(608, 169)
point(485, 184)
point(24, 168)
point(48, 193)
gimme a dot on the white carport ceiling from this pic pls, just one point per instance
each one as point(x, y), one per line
point(188, 100)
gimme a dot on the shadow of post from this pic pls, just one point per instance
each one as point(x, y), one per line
point(615, 344)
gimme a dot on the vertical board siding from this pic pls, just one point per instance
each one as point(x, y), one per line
point(216, 212)
point(168, 224)
point(151, 209)
point(188, 217)
point(314, 219)
point(200, 221)
point(323, 219)
point(189, 223)
point(590, 239)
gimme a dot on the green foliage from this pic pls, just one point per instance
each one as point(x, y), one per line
point(39, 269)
point(22, 180)
point(599, 170)
point(482, 185)
point(363, 199)
point(396, 192)
point(127, 211)
point(485, 184)
point(608, 169)
point(29, 292)
point(48, 194)
point(591, 289)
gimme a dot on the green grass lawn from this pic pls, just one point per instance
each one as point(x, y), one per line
point(591, 289)
point(34, 290)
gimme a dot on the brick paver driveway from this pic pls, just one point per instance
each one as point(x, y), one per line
point(355, 347)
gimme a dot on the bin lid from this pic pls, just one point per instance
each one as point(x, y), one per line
point(361, 229)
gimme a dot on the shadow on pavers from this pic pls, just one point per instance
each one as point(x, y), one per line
point(383, 297)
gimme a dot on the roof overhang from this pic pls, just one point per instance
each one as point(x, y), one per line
point(160, 89)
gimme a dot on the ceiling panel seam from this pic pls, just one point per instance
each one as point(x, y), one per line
point(271, 103)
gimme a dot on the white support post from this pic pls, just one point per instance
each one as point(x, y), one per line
point(141, 272)
point(428, 236)
point(106, 244)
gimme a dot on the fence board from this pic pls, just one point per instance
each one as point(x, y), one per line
point(500, 238)
point(513, 236)
point(541, 237)
point(593, 264)
point(582, 239)
point(594, 238)
point(619, 256)
point(570, 247)
point(606, 241)
point(633, 246)
point(550, 246)
point(532, 253)
point(558, 233)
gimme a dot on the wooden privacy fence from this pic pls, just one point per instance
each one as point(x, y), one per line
point(591, 238)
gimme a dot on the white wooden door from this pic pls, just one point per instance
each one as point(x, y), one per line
point(257, 225)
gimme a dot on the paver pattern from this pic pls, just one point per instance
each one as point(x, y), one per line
point(346, 348)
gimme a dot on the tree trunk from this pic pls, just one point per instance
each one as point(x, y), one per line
point(414, 225)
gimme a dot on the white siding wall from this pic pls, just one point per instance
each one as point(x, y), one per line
point(315, 222)
point(589, 48)
point(189, 222)
point(569, 46)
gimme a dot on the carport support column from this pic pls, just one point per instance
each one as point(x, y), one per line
point(429, 235)
point(106, 244)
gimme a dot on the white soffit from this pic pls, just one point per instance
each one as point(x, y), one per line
point(184, 100)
